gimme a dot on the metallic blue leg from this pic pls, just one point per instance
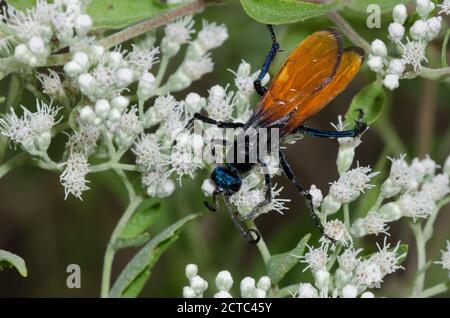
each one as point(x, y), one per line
point(272, 53)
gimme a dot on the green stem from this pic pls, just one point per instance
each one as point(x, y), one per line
point(111, 165)
point(111, 248)
point(433, 291)
point(349, 31)
point(261, 245)
point(162, 70)
point(13, 163)
point(347, 217)
point(444, 49)
point(421, 259)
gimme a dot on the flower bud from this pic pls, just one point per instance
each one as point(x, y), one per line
point(399, 14)
point(396, 31)
point(367, 295)
point(166, 189)
point(169, 48)
point(349, 291)
point(330, 205)
point(191, 270)
point(208, 187)
point(73, 69)
point(83, 24)
point(390, 212)
point(87, 115)
point(378, 48)
point(81, 59)
point(389, 189)
point(322, 278)
point(391, 81)
point(120, 103)
point(95, 52)
point(396, 66)
point(188, 292)
point(43, 141)
point(115, 58)
point(418, 30)
point(224, 281)
point(247, 287)
point(198, 284)
point(264, 283)
point(222, 294)
point(87, 83)
point(342, 277)
point(22, 54)
point(345, 159)
point(259, 293)
point(114, 115)
point(124, 77)
point(375, 63)
point(102, 108)
point(434, 26)
point(146, 86)
point(194, 103)
point(37, 46)
point(306, 290)
point(424, 7)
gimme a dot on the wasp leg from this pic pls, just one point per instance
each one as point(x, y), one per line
point(270, 56)
point(216, 202)
point(205, 119)
point(267, 200)
point(245, 233)
point(360, 127)
point(287, 170)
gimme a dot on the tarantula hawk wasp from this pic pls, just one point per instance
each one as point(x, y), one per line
point(315, 72)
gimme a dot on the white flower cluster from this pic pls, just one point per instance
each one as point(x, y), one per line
point(32, 130)
point(423, 30)
point(249, 288)
point(354, 275)
point(416, 190)
point(445, 260)
point(45, 28)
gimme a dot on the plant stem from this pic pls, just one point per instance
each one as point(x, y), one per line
point(13, 162)
point(162, 70)
point(348, 30)
point(421, 259)
point(444, 49)
point(346, 217)
point(111, 248)
point(433, 291)
point(261, 245)
point(112, 165)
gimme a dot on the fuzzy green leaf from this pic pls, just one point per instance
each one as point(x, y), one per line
point(8, 259)
point(112, 14)
point(146, 213)
point(370, 99)
point(284, 11)
point(146, 258)
point(136, 241)
point(280, 264)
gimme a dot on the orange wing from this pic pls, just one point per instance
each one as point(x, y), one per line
point(349, 67)
point(307, 70)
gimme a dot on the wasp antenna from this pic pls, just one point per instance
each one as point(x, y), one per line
point(209, 207)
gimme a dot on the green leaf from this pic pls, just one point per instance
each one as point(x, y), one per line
point(385, 5)
point(117, 14)
point(132, 241)
point(112, 14)
point(280, 264)
point(370, 99)
point(284, 11)
point(146, 258)
point(146, 213)
point(138, 284)
point(403, 251)
point(8, 259)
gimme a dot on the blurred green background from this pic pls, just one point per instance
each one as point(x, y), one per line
point(50, 233)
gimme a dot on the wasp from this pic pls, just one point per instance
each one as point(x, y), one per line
point(315, 72)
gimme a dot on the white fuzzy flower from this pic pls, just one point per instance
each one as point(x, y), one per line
point(148, 152)
point(316, 258)
point(306, 290)
point(438, 187)
point(413, 53)
point(387, 259)
point(129, 127)
point(198, 67)
point(183, 162)
point(351, 184)
point(445, 7)
point(212, 35)
point(224, 281)
point(84, 140)
point(194, 103)
point(51, 83)
point(141, 59)
point(445, 258)
point(400, 177)
point(157, 184)
point(416, 204)
point(180, 30)
point(368, 274)
point(391, 81)
point(73, 177)
point(396, 31)
point(220, 103)
point(335, 230)
point(348, 259)
point(373, 223)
